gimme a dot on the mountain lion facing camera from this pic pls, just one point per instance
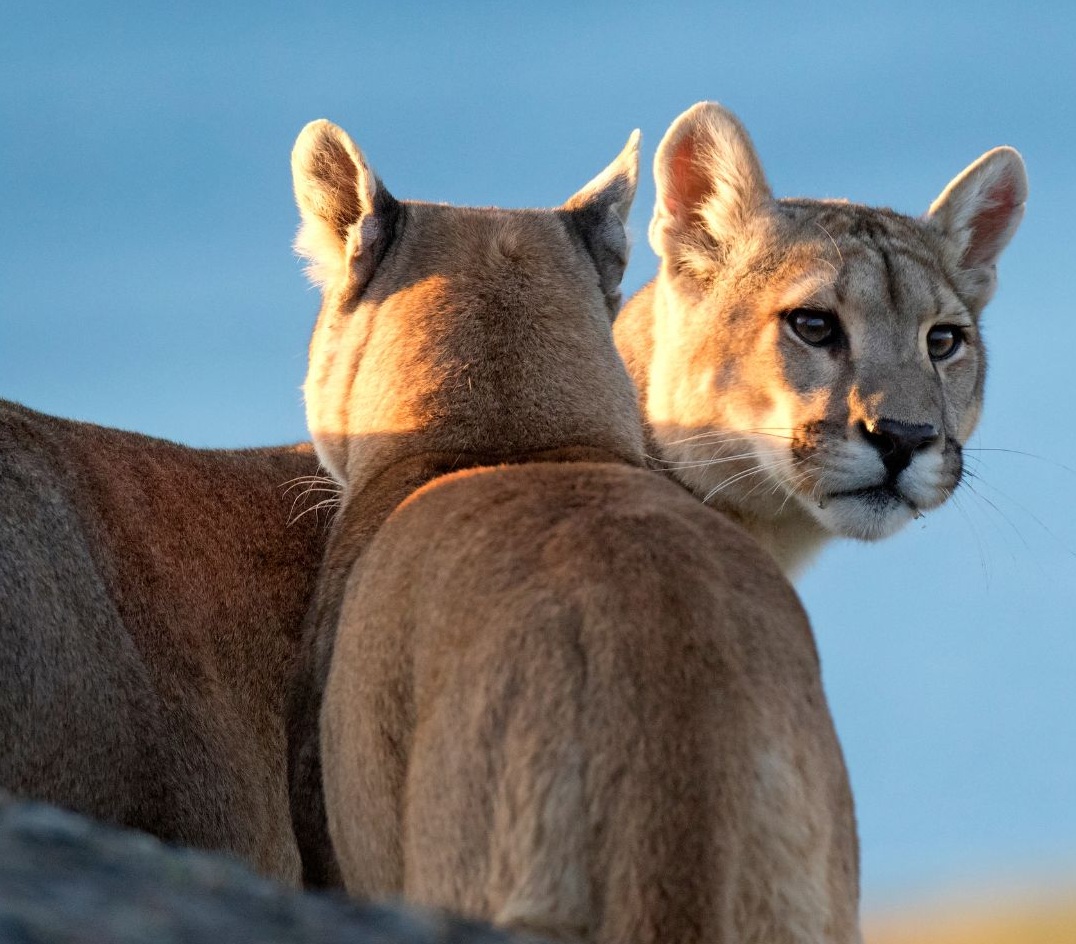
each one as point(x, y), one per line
point(564, 695)
point(812, 367)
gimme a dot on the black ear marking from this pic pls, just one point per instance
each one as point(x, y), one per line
point(597, 215)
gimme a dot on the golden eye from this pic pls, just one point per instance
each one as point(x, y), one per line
point(943, 341)
point(817, 328)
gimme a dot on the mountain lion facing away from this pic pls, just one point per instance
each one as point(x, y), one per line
point(150, 602)
point(812, 367)
point(564, 695)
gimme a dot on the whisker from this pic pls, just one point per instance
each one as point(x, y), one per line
point(835, 246)
point(815, 493)
point(951, 495)
point(794, 484)
point(718, 459)
point(1042, 524)
point(1021, 452)
point(294, 483)
point(986, 501)
point(731, 481)
point(315, 484)
point(795, 479)
point(324, 503)
point(311, 490)
point(724, 435)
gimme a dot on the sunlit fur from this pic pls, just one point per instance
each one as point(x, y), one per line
point(745, 413)
point(150, 600)
point(559, 692)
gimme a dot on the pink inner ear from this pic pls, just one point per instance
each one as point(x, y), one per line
point(689, 184)
point(991, 224)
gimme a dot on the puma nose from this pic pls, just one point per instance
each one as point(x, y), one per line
point(897, 442)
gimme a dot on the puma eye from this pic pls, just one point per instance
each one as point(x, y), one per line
point(817, 328)
point(943, 341)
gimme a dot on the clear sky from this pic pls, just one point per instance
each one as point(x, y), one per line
point(146, 281)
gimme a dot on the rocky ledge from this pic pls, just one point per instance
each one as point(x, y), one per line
point(64, 878)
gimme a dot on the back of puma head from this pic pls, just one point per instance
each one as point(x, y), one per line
point(816, 363)
point(454, 329)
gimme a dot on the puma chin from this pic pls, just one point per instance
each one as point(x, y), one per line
point(854, 494)
point(812, 367)
point(853, 483)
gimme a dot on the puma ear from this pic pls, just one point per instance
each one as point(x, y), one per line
point(710, 184)
point(600, 211)
point(979, 212)
point(346, 212)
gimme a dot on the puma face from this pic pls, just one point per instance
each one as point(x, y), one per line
point(818, 361)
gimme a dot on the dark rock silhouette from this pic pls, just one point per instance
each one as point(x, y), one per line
point(65, 879)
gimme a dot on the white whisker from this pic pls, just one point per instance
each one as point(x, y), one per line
point(675, 465)
point(731, 481)
point(324, 503)
point(315, 484)
point(777, 432)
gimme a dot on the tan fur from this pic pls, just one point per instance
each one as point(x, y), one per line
point(113, 537)
point(562, 694)
point(753, 420)
point(150, 596)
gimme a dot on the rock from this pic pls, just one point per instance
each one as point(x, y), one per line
point(65, 878)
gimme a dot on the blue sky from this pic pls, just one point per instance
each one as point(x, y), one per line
point(146, 281)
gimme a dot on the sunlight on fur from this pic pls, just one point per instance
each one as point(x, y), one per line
point(536, 674)
point(812, 367)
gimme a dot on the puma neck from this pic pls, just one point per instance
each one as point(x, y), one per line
point(790, 535)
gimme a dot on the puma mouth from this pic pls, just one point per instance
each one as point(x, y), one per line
point(867, 514)
point(874, 495)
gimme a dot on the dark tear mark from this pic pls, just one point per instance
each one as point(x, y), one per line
point(890, 275)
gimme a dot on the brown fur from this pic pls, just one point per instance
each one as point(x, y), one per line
point(90, 564)
point(150, 597)
point(779, 434)
point(563, 695)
